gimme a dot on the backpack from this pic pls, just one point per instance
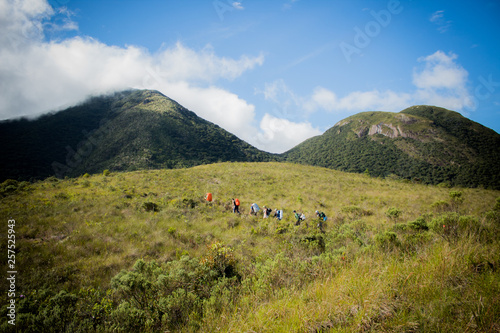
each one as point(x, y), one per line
point(236, 202)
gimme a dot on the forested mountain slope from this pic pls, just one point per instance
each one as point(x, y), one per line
point(130, 130)
point(423, 143)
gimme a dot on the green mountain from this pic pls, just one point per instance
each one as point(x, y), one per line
point(143, 129)
point(131, 130)
point(423, 143)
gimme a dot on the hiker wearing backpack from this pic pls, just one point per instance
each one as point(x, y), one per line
point(322, 217)
point(278, 214)
point(298, 217)
point(267, 212)
point(236, 205)
point(254, 208)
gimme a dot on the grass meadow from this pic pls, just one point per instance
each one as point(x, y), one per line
point(143, 251)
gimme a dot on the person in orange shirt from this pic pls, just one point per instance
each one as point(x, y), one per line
point(236, 206)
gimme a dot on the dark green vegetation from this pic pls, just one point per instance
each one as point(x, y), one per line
point(132, 130)
point(143, 252)
point(423, 143)
point(142, 129)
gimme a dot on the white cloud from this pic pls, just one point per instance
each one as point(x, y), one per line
point(437, 15)
point(292, 106)
point(324, 99)
point(279, 135)
point(22, 20)
point(373, 100)
point(238, 5)
point(182, 63)
point(321, 98)
point(438, 18)
point(214, 104)
point(39, 76)
point(440, 71)
point(440, 81)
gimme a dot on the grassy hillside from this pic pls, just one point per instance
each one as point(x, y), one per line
point(126, 131)
point(424, 143)
point(142, 251)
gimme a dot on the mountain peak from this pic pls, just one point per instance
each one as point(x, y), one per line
point(423, 142)
point(128, 130)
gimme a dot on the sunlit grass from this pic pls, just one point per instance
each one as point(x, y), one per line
point(81, 232)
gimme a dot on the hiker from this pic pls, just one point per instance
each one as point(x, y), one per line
point(236, 206)
point(267, 212)
point(278, 214)
point(254, 208)
point(208, 197)
point(322, 217)
point(297, 217)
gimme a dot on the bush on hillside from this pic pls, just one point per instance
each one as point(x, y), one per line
point(387, 240)
point(393, 213)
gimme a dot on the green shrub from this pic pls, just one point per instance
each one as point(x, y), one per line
point(418, 224)
point(160, 297)
point(456, 199)
point(393, 213)
point(387, 240)
point(10, 186)
point(441, 206)
point(184, 203)
point(314, 242)
point(401, 227)
point(220, 258)
point(172, 231)
point(127, 318)
point(58, 314)
point(345, 234)
point(452, 226)
point(278, 272)
point(178, 307)
point(446, 226)
point(496, 208)
point(150, 207)
point(413, 242)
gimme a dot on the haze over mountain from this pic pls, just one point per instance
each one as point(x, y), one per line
point(426, 143)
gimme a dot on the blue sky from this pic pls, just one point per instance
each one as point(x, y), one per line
point(272, 72)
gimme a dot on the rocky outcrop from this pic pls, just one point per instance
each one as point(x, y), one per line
point(384, 129)
point(392, 131)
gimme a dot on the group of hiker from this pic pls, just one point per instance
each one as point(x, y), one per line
point(278, 213)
